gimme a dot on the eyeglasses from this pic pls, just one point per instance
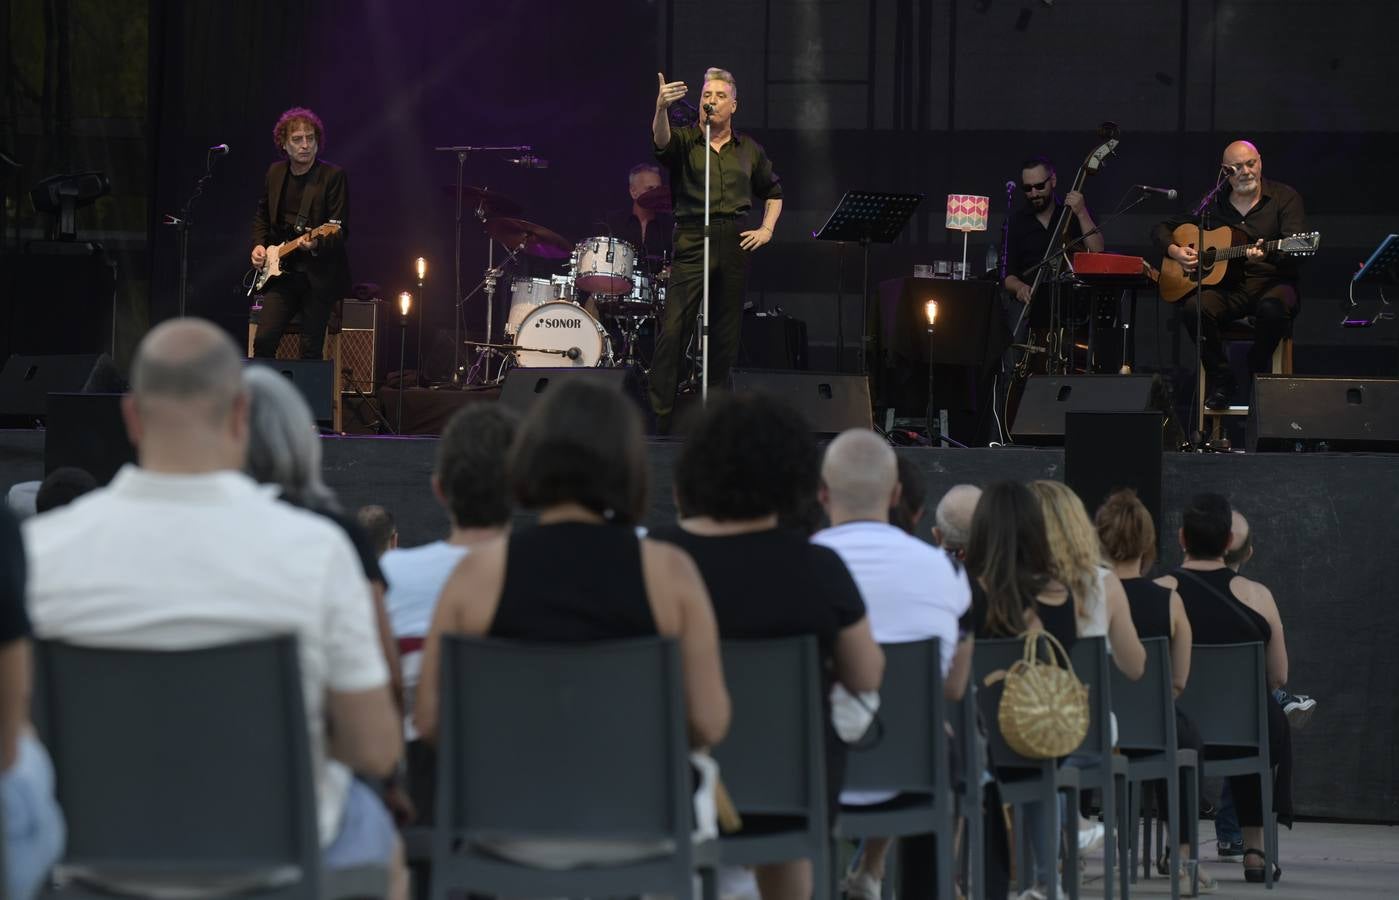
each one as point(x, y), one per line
point(1027, 188)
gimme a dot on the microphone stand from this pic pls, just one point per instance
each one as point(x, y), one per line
point(1201, 215)
point(183, 224)
point(704, 297)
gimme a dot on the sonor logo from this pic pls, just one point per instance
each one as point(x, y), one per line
point(559, 323)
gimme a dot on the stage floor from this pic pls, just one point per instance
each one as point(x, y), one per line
point(1323, 526)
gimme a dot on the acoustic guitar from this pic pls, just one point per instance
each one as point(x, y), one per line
point(273, 266)
point(1178, 280)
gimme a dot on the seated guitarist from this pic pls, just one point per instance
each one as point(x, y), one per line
point(1265, 285)
point(300, 193)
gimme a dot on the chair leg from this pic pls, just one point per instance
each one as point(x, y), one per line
point(1069, 829)
point(1134, 803)
point(1126, 824)
point(1110, 826)
point(1270, 831)
point(1173, 823)
point(943, 849)
point(1192, 822)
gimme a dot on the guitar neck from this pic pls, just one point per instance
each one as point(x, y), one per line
point(1238, 250)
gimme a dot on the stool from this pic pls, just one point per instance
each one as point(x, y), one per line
point(1241, 330)
point(290, 348)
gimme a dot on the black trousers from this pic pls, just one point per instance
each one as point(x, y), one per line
point(1273, 304)
point(288, 295)
point(728, 277)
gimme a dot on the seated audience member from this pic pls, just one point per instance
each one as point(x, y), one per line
point(31, 839)
point(1226, 608)
point(62, 486)
point(953, 518)
point(748, 458)
point(579, 460)
point(913, 492)
point(184, 551)
point(284, 449)
point(1128, 537)
point(912, 591)
point(377, 522)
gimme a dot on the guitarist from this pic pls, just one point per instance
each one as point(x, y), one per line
point(300, 193)
point(1264, 286)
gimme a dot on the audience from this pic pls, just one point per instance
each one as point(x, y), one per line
point(1128, 538)
point(62, 486)
point(1226, 608)
point(31, 838)
point(748, 458)
point(953, 518)
point(912, 591)
point(579, 461)
point(183, 550)
point(378, 524)
point(913, 492)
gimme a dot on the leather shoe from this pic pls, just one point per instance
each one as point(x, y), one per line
point(1218, 398)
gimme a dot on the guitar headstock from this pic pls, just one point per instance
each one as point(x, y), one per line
point(320, 231)
point(1300, 244)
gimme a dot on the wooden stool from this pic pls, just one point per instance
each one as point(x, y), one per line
point(1241, 330)
point(290, 348)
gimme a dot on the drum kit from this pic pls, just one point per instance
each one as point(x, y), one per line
point(591, 315)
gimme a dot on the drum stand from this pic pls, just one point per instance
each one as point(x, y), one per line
point(485, 350)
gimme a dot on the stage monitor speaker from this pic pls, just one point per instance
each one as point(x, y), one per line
point(1105, 451)
point(830, 401)
point(359, 327)
point(26, 382)
point(1292, 412)
point(86, 431)
point(1039, 420)
point(524, 386)
point(314, 378)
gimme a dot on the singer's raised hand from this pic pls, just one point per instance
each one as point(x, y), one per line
point(668, 91)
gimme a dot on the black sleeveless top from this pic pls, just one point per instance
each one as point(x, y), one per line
point(1151, 607)
point(1059, 621)
point(1218, 619)
point(573, 582)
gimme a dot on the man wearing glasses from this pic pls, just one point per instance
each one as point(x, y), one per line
point(1031, 229)
point(300, 193)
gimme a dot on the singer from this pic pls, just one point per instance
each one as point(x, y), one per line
point(741, 174)
point(301, 192)
point(1257, 210)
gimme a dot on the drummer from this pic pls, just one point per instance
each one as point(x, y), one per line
point(647, 226)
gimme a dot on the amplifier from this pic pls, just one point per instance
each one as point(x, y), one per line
point(359, 328)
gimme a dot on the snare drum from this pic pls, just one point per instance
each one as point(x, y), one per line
point(640, 302)
point(529, 293)
point(567, 329)
point(604, 265)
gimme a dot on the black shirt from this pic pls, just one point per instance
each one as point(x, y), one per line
point(775, 583)
point(14, 621)
point(1150, 604)
point(1279, 212)
point(740, 174)
point(290, 206)
point(656, 244)
point(1216, 615)
point(1027, 240)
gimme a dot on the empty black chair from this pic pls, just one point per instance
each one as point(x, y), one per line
point(1108, 772)
point(969, 797)
point(192, 765)
point(545, 742)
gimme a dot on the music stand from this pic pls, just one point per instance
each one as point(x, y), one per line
point(867, 217)
point(1383, 264)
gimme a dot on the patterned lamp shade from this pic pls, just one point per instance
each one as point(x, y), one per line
point(967, 212)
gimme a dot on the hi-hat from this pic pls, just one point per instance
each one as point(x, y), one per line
point(532, 239)
point(655, 200)
point(494, 202)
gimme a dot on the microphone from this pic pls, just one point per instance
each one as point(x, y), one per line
point(709, 110)
point(219, 149)
point(1169, 193)
point(528, 161)
point(1010, 187)
point(1228, 168)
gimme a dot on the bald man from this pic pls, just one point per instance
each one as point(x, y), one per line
point(912, 591)
point(953, 518)
point(184, 551)
point(1264, 286)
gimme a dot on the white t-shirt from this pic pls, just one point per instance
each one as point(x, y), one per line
point(416, 576)
point(911, 589)
point(173, 562)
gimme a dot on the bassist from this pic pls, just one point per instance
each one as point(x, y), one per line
point(301, 192)
point(1263, 285)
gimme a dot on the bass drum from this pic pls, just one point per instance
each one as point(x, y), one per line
point(562, 334)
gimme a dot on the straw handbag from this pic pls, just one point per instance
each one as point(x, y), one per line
point(1043, 712)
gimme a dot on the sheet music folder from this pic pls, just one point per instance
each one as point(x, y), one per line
point(874, 217)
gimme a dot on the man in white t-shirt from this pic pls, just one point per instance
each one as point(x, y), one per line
point(912, 590)
point(185, 551)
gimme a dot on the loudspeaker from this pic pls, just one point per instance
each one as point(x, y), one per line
point(1039, 420)
point(1105, 451)
point(87, 431)
point(1304, 413)
point(523, 386)
point(26, 382)
point(314, 378)
point(359, 327)
point(830, 401)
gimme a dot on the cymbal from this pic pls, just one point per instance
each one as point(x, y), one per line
point(496, 203)
point(656, 200)
point(533, 239)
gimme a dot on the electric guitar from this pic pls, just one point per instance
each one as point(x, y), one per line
point(1178, 280)
point(272, 267)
